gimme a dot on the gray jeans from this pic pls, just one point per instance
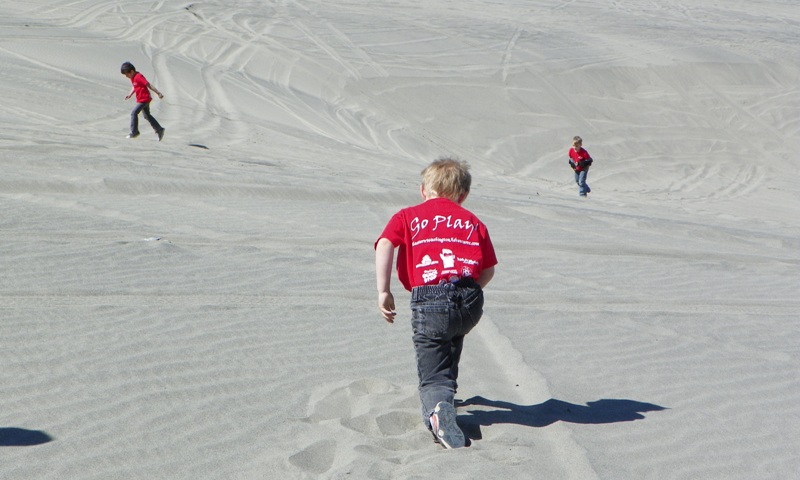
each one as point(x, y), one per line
point(440, 316)
point(145, 109)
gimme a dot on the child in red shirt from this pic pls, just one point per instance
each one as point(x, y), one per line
point(580, 161)
point(445, 258)
point(143, 99)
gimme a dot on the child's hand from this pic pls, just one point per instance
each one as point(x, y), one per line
point(160, 95)
point(386, 306)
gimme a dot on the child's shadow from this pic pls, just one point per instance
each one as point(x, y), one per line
point(20, 437)
point(549, 412)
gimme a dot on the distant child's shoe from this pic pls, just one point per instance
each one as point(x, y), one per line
point(133, 135)
point(444, 426)
point(160, 134)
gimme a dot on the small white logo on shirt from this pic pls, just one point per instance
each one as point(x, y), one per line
point(448, 258)
point(429, 275)
point(426, 262)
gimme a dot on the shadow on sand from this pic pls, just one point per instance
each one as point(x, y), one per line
point(549, 412)
point(20, 437)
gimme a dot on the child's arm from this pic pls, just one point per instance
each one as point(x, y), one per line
point(130, 94)
point(151, 87)
point(384, 257)
point(486, 277)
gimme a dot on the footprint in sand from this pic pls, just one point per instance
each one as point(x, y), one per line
point(316, 458)
point(370, 412)
point(368, 417)
point(368, 406)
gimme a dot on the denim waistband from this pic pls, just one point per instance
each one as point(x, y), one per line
point(443, 288)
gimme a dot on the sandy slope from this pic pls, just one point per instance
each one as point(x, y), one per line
point(174, 311)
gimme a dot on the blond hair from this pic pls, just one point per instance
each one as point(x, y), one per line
point(447, 177)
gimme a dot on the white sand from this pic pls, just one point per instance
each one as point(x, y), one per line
point(176, 312)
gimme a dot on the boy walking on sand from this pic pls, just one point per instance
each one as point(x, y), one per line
point(143, 99)
point(580, 161)
point(445, 258)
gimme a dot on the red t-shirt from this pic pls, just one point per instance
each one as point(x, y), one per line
point(438, 239)
point(577, 157)
point(140, 88)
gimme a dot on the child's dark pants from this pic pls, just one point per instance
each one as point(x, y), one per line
point(441, 315)
point(145, 109)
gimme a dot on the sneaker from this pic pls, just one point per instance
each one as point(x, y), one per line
point(444, 426)
point(160, 134)
point(132, 135)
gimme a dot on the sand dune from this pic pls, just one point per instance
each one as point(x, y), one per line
point(203, 307)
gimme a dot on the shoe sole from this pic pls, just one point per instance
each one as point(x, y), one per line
point(448, 433)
